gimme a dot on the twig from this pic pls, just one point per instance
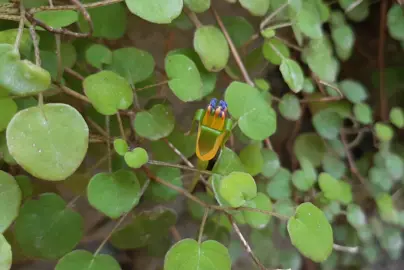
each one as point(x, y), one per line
point(272, 15)
point(192, 16)
point(74, 7)
point(59, 58)
point(205, 217)
point(152, 85)
point(20, 27)
point(352, 250)
point(74, 73)
point(383, 99)
point(166, 164)
point(175, 233)
point(233, 49)
point(72, 93)
point(287, 43)
point(121, 129)
point(245, 243)
point(97, 127)
point(107, 126)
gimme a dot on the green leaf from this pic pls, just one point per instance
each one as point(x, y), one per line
point(309, 20)
point(145, 227)
point(156, 11)
point(228, 162)
point(384, 132)
point(344, 40)
point(334, 166)
point(271, 163)
point(363, 113)
point(25, 184)
point(156, 123)
point(273, 55)
point(395, 22)
point(112, 30)
point(394, 165)
point(136, 158)
point(195, 209)
point(279, 186)
point(256, 118)
point(197, 6)
point(237, 188)
point(114, 194)
point(37, 136)
point(82, 259)
point(21, 77)
point(255, 219)
point(292, 74)
point(184, 77)
point(98, 55)
point(133, 64)
point(355, 216)
point(255, 7)
point(121, 147)
point(396, 117)
point(8, 109)
point(8, 37)
point(311, 147)
point(10, 200)
point(5, 254)
point(386, 208)
point(380, 178)
point(327, 123)
point(46, 228)
point(358, 12)
point(311, 233)
point(239, 29)
point(252, 158)
point(160, 193)
point(330, 186)
point(301, 181)
point(289, 107)
point(188, 254)
point(57, 18)
point(108, 92)
point(353, 91)
point(212, 47)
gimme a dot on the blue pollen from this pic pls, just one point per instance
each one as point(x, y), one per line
point(213, 103)
point(223, 104)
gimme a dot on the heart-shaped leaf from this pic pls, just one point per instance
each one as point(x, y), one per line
point(5, 254)
point(10, 200)
point(255, 219)
point(136, 158)
point(108, 92)
point(292, 73)
point(188, 254)
point(133, 64)
point(121, 147)
point(82, 259)
point(255, 116)
point(185, 79)
point(156, 123)
point(114, 193)
point(46, 228)
point(97, 55)
point(37, 136)
point(156, 11)
point(279, 186)
point(237, 188)
point(21, 77)
point(212, 47)
point(311, 233)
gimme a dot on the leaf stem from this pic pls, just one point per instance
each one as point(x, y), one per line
point(20, 27)
point(121, 129)
point(152, 85)
point(194, 19)
point(193, 169)
point(272, 15)
point(107, 125)
point(201, 229)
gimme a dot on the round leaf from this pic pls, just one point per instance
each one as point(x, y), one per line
point(330, 186)
point(108, 92)
point(255, 219)
point(82, 259)
point(309, 21)
point(395, 22)
point(252, 158)
point(311, 233)
point(344, 39)
point(185, 79)
point(353, 91)
point(136, 158)
point(7, 110)
point(363, 113)
point(327, 123)
point(311, 147)
point(384, 132)
point(188, 254)
point(97, 55)
point(256, 7)
point(237, 188)
point(161, 193)
point(272, 55)
point(5, 254)
point(121, 147)
point(46, 228)
point(301, 181)
point(133, 64)
point(114, 193)
point(292, 74)
point(212, 47)
point(156, 123)
point(289, 107)
point(21, 77)
point(37, 139)
point(197, 6)
point(57, 18)
point(279, 186)
point(355, 216)
point(156, 11)
point(10, 200)
point(396, 117)
point(271, 162)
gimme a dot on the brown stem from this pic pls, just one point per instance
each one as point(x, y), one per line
point(382, 33)
point(74, 7)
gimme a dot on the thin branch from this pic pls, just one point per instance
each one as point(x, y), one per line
point(233, 49)
point(74, 73)
point(152, 85)
point(20, 27)
point(72, 93)
point(121, 129)
point(74, 7)
point(166, 164)
point(194, 19)
point(352, 250)
point(201, 229)
point(107, 126)
point(287, 43)
point(245, 243)
point(175, 233)
point(272, 15)
point(59, 58)
point(382, 36)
